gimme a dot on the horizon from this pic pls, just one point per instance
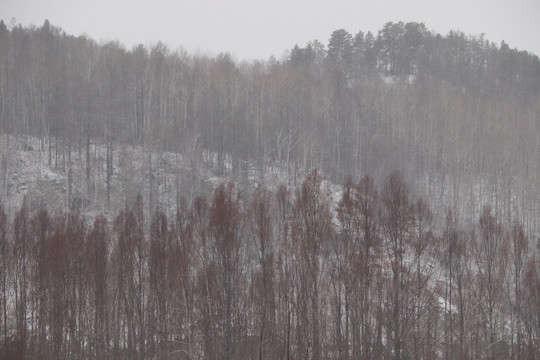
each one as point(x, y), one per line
point(248, 31)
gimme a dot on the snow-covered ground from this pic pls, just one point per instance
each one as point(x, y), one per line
point(59, 177)
point(41, 171)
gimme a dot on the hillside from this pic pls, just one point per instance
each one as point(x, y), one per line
point(373, 197)
point(60, 182)
point(458, 115)
point(236, 273)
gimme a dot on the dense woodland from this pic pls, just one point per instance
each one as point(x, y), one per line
point(456, 114)
point(281, 276)
point(245, 272)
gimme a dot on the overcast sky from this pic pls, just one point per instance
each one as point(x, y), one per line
point(257, 29)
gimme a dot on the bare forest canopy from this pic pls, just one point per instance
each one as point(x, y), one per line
point(280, 276)
point(458, 115)
point(306, 271)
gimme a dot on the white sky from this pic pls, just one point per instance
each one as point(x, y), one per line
point(257, 29)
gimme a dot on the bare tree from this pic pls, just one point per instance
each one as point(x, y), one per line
point(226, 228)
point(159, 291)
point(97, 265)
point(518, 255)
point(4, 268)
point(398, 217)
point(491, 255)
point(285, 275)
point(263, 278)
point(359, 245)
point(312, 227)
point(22, 251)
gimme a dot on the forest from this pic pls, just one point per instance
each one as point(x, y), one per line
point(456, 114)
point(427, 250)
point(281, 276)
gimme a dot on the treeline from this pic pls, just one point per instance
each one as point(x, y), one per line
point(286, 275)
point(457, 114)
point(405, 50)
